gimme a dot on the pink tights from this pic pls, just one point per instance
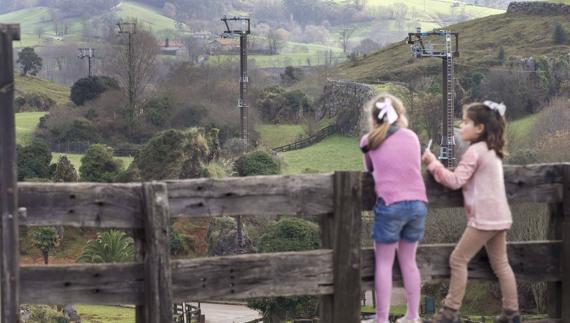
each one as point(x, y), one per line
point(412, 282)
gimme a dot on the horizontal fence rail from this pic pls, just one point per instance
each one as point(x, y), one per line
point(119, 205)
point(261, 275)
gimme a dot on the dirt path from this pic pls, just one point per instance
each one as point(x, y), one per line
point(221, 313)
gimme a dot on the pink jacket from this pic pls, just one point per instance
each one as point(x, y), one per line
point(480, 174)
point(396, 167)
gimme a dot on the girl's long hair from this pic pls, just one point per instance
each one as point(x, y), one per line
point(378, 128)
point(495, 125)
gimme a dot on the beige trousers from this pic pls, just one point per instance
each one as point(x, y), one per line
point(471, 242)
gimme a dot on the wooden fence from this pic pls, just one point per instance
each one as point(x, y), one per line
point(337, 272)
point(306, 142)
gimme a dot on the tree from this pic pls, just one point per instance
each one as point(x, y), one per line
point(287, 234)
point(45, 239)
point(29, 61)
point(89, 88)
point(345, 36)
point(274, 42)
point(98, 165)
point(110, 246)
point(560, 35)
point(64, 171)
point(34, 161)
point(174, 154)
point(140, 63)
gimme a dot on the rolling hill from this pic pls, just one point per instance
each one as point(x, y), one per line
point(480, 40)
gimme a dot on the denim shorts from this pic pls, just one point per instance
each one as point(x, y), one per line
point(401, 220)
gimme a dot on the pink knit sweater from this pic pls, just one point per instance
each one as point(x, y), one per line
point(480, 174)
point(396, 167)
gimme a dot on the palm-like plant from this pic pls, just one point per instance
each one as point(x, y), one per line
point(45, 239)
point(110, 246)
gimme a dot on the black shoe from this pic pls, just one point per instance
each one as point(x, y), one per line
point(509, 316)
point(446, 315)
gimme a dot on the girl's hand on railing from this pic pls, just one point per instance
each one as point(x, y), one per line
point(428, 157)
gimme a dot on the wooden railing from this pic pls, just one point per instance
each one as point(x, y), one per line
point(337, 272)
point(306, 142)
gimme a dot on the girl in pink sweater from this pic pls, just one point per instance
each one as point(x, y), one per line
point(480, 175)
point(392, 155)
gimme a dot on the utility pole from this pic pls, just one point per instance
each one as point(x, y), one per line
point(88, 53)
point(243, 30)
point(9, 246)
point(420, 50)
point(130, 28)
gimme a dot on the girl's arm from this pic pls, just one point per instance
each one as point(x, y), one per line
point(366, 157)
point(457, 178)
point(368, 163)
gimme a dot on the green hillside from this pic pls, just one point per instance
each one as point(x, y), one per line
point(30, 84)
point(480, 39)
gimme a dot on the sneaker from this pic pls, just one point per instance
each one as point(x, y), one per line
point(446, 315)
point(405, 320)
point(509, 316)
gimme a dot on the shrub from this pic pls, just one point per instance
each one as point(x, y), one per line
point(98, 165)
point(110, 246)
point(34, 161)
point(89, 88)
point(257, 163)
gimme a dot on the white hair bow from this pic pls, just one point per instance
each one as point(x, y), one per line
point(499, 107)
point(387, 111)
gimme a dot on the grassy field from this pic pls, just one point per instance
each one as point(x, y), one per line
point(522, 126)
point(30, 84)
point(278, 135)
point(333, 153)
point(26, 122)
point(105, 314)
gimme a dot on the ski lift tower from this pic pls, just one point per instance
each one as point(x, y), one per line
point(243, 29)
point(447, 54)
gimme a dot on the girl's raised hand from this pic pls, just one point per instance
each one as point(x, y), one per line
point(428, 157)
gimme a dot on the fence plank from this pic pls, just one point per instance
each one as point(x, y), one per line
point(9, 275)
point(524, 184)
point(347, 217)
point(83, 284)
point(158, 278)
point(139, 241)
point(81, 204)
point(326, 225)
point(554, 289)
point(254, 275)
point(531, 261)
point(255, 195)
point(565, 300)
point(259, 275)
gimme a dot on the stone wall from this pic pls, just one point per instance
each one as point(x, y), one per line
point(345, 100)
point(538, 8)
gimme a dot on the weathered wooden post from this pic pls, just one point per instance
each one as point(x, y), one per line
point(157, 273)
point(9, 272)
point(345, 224)
point(565, 300)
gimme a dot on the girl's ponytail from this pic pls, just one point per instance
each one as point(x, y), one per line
point(379, 127)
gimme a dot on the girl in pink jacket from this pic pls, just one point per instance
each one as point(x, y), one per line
point(480, 176)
